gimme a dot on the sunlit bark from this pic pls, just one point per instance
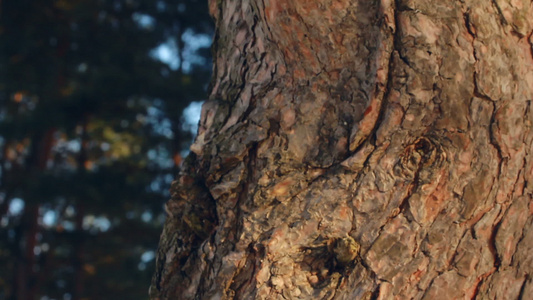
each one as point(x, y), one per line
point(400, 127)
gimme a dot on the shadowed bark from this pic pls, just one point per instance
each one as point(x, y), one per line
point(359, 150)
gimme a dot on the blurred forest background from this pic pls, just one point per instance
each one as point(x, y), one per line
point(92, 132)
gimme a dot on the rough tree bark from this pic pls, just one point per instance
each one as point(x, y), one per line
point(359, 150)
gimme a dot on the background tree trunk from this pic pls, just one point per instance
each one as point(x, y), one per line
point(359, 150)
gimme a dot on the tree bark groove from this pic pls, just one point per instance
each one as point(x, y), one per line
point(359, 150)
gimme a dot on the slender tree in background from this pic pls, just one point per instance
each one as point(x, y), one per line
point(359, 150)
point(90, 137)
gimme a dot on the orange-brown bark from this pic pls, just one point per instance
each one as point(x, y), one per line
point(403, 125)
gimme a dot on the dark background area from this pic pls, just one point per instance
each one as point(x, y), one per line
point(92, 132)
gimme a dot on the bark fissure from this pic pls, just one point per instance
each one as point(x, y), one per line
point(530, 38)
point(521, 295)
point(500, 13)
point(492, 244)
point(493, 140)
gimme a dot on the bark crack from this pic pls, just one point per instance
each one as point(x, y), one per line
point(503, 20)
point(493, 140)
point(426, 291)
point(478, 93)
point(492, 244)
point(518, 242)
point(530, 38)
point(521, 295)
point(454, 255)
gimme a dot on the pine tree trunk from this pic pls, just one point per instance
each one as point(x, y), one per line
point(359, 150)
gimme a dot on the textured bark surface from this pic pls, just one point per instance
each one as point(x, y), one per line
point(359, 150)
